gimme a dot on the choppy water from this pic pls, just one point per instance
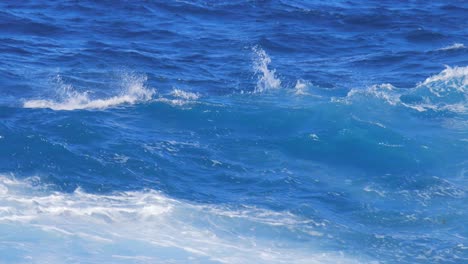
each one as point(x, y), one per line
point(233, 132)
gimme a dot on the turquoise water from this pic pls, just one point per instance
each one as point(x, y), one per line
point(233, 132)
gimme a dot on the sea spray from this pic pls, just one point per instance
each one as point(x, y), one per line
point(267, 78)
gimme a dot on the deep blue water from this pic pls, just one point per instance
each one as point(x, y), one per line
point(234, 131)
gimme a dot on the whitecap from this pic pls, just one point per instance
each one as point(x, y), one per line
point(314, 137)
point(133, 91)
point(301, 87)
point(455, 46)
point(445, 91)
point(179, 97)
point(454, 77)
point(185, 94)
point(384, 91)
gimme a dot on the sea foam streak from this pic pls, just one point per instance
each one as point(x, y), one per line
point(139, 226)
point(455, 46)
point(133, 91)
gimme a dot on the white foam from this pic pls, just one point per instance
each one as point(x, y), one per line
point(456, 77)
point(446, 91)
point(369, 122)
point(453, 47)
point(267, 78)
point(384, 91)
point(184, 94)
point(390, 145)
point(314, 137)
point(423, 107)
point(146, 226)
point(133, 91)
point(179, 97)
point(372, 189)
point(301, 87)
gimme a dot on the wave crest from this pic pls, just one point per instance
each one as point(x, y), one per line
point(446, 91)
point(452, 77)
point(133, 91)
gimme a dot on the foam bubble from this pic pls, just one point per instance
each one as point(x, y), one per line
point(267, 78)
point(133, 91)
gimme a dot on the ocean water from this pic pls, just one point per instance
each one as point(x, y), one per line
point(240, 131)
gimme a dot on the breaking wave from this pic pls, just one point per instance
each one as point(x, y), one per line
point(446, 91)
point(133, 91)
point(142, 226)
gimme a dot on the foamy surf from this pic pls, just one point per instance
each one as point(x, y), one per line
point(133, 91)
point(454, 77)
point(139, 226)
